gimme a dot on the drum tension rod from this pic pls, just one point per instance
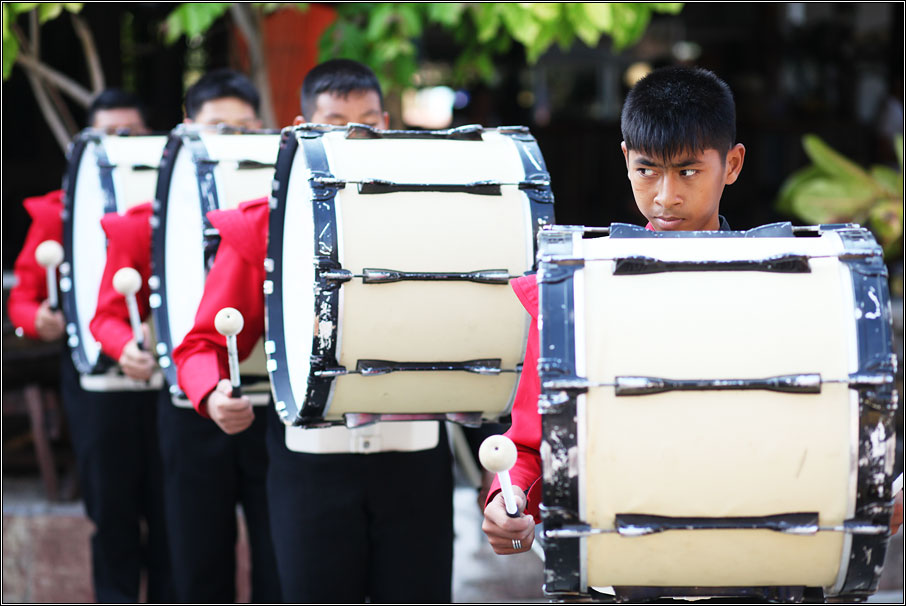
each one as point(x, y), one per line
point(385, 276)
point(637, 525)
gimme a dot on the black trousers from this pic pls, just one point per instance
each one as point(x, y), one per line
point(114, 435)
point(207, 473)
point(356, 527)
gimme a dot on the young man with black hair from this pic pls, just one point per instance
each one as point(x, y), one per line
point(114, 434)
point(679, 143)
point(115, 110)
point(206, 472)
point(347, 522)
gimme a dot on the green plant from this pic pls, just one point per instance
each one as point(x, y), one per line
point(834, 189)
point(385, 35)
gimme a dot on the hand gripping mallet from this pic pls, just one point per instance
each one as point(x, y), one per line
point(49, 254)
point(498, 455)
point(229, 322)
point(127, 282)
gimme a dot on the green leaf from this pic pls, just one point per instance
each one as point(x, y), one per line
point(48, 11)
point(888, 179)
point(583, 27)
point(10, 44)
point(520, 23)
point(830, 200)
point(487, 19)
point(886, 221)
point(791, 186)
point(379, 22)
point(410, 16)
point(835, 164)
point(51, 10)
point(22, 7)
point(191, 19)
point(445, 13)
point(670, 8)
point(545, 11)
point(600, 14)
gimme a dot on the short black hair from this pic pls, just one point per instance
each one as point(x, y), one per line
point(339, 77)
point(219, 84)
point(678, 109)
point(115, 98)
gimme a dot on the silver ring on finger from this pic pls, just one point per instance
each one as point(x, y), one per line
point(517, 544)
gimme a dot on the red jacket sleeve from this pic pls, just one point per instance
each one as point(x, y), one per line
point(128, 245)
point(235, 280)
point(31, 279)
point(525, 430)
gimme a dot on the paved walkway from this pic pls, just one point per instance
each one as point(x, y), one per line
point(46, 558)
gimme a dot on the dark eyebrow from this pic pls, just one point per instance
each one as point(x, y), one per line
point(370, 112)
point(645, 161)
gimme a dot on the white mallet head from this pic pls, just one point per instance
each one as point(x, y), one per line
point(127, 281)
point(49, 253)
point(497, 453)
point(228, 321)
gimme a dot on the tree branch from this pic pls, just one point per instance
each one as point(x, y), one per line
point(53, 119)
point(246, 22)
point(64, 83)
point(92, 58)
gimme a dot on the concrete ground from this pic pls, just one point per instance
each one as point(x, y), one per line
point(46, 558)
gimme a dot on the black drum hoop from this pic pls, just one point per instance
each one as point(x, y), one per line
point(75, 339)
point(188, 137)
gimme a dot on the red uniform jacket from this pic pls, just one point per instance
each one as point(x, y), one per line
point(128, 245)
point(525, 431)
point(235, 280)
point(31, 279)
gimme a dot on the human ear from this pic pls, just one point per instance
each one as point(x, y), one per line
point(385, 121)
point(625, 155)
point(735, 158)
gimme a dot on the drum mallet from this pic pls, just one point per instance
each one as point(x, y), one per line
point(498, 455)
point(127, 282)
point(229, 322)
point(49, 254)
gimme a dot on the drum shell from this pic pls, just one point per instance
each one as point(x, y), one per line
point(202, 170)
point(424, 322)
point(718, 454)
point(105, 173)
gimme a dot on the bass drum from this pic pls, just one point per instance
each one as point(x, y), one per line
point(105, 173)
point(388, 264)
point(717, 412)
point(202, 169)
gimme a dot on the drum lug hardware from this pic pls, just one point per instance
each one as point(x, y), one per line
point(862, 381)
point(548, 274)
point(330, 373)
point(330, 273)
point(568, 384)
point(337, 276)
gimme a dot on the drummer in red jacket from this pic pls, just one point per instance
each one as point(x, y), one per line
point(206, 473)
point(679, 158)
point(347, 525)
point(112, 432)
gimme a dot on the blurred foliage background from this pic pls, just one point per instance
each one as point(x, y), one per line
point(818, 86)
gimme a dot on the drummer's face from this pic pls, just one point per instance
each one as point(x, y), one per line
point(359, 106)
point(120, 118)
point(682, 193)
point(231, 111)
